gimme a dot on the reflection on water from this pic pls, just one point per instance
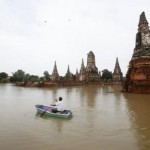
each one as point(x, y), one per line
point(58, 121)
point(103, 119)
point(139, 114)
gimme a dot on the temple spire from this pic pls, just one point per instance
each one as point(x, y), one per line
point(68, 75)
point(142, 19)
point(117, 74)
point(82, 65)
point(138, 75)
point(55, 75)
point(142, 38)
point(68, 70)
point(77, 72)
point(117, 63)
point(55, 69)
point(82, 74)
point(77, 75)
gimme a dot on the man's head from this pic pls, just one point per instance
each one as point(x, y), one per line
point(60, 98)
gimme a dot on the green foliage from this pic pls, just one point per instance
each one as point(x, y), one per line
point(61, 78)
point(34, 78)
point(3, 77)
point(19, 75)
point(46, 75)
point(26, 78)
point(106, 75)
point(42, 78)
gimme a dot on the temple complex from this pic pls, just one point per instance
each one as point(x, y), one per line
point(55, 76)
point(86, 74)
point(138, 74)
point(117, 74)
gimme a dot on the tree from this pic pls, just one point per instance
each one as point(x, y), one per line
point(46, 75)
point(19, 75)
point(26, 78)
point(3, 77)
point(106, 75)
point(34, 78)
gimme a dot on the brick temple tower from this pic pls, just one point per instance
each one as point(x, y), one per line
point(55, 76)
point(138, 74)
point(91, 69)
point(82, 73)
point(90, 72)
point(117, 74)
point(69, 75)
point(77, 75)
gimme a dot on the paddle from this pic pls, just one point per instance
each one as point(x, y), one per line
point(46, 110)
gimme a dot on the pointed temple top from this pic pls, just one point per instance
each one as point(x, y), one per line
point(68, 70)
point(55, 68)
point(91, 53)
point(77, 72)
point(142, 19)
point(55, 75)
point(117, 60)
point(117, 66)
point(82, 64)
point(55, 64)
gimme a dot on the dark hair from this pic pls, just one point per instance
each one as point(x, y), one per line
point(60, 98)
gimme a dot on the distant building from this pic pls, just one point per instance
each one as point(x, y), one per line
point(91, 69)
point(82, 73)
point(55, 76)
point(69, 75)
point(90, 72)
point(77, 75)
point(117, 74)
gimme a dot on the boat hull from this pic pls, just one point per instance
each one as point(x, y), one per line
point(47, 110)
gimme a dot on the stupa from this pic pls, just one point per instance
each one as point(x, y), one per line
point(55, 76)
point(138, 74)
point(117, 74)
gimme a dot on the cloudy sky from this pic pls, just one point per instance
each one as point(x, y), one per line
point(35, 33)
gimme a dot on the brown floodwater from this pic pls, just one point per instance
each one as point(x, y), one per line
point(103, 119)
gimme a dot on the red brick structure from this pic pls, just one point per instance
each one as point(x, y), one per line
point(138, 74)
point(69, 75)
point(90, 72)
point(117, 74)
point(55, 76)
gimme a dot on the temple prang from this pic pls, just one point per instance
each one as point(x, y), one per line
point(90, 72)
point(82, 73)
point(77, 75)
point(69, 75)
point(91, 69)
point(55, 76)
point(117, 75)
point(138, 74)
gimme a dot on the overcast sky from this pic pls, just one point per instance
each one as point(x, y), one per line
point(35, 33)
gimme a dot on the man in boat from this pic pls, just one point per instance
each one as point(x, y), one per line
point(58, 106)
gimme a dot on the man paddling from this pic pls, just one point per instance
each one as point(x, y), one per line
point(58, 106)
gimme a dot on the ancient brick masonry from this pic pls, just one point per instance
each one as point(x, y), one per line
point(55, 76)
point(138, 74)
point(117, 74)
point(90, 72)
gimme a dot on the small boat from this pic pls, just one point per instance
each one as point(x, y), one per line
point(47, 110)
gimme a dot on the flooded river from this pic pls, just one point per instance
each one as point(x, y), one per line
point(103, 119)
